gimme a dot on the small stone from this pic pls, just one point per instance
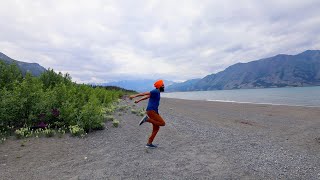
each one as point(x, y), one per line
point(85, 157)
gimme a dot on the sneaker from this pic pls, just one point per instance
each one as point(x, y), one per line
point(144, 119)
point(151, 146)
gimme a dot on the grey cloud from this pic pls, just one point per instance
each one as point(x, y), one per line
point(117, 40)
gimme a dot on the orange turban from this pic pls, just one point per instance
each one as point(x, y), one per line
point(158, 84)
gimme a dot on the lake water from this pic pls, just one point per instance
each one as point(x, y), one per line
point(295, 96)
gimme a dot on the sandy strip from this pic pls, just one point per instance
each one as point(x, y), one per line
point(201, 140)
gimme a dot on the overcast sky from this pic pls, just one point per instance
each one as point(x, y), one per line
point(103, 41)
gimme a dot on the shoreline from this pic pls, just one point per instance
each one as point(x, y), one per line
point(248, 103)
point(238, 102)
point(275, 96)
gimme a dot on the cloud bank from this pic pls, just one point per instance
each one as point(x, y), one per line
point(103, 41)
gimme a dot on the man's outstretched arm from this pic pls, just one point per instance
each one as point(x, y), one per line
point(145, 94)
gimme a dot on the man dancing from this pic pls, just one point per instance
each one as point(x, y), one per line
point(152, 110)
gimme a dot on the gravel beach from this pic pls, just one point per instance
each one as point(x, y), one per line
point(201, 140)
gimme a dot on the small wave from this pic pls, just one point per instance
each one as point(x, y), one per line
point(273, 104)
point(223, 101)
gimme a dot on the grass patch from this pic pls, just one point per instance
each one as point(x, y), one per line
point(133, 111)
point(49, 132)
point(123, 108)
point(61, 132)
point(46, 132)
point(138, 112)
point(109, 118)
point(76, 130)
point(2, 140)
point(115, 123)
point(23, 133)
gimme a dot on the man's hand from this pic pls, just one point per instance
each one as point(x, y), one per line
point(136, 101)
point(131, 97)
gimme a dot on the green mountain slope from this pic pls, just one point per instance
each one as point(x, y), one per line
point(34, 68)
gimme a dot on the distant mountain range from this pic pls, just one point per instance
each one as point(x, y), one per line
point(279, 71)
point(34, 68)
point(185, 86)
point(136, 85)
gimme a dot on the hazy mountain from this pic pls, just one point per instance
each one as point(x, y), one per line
point(185, 86)
point(34, 68)
point(279, 71)
point(136, 85)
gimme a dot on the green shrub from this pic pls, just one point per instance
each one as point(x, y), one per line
point(53, 99)
point(133, 111)
point(58, 124)
point(38, 133)
point(9, 74)
point(49, 132)
point(76, 130)
point(22, 133)
point(61, 132)
point(115, 123)
point(109, 110)
point(109, 118)
point(91, 114)
point(2, 140)
point(140, 112)
point(123, 108)
point(100, 126)
point(6, 131)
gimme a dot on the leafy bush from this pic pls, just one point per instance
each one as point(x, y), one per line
point(9, 74)
point(115, 123)
point(109, 118)
point(22, 133)
point(123, 108)
point(133, 111)
point(110, 109)
point(4, 132)
point(76, 130)
point(91, 114)
point(100, 126)
point(49, 132)
point(53, 99)
point(38, 133)
point(140, 112)
point(61, 132)
point(2, 140)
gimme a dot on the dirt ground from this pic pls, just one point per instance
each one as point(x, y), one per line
point(201, 140)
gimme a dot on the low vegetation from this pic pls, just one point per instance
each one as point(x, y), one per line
point(46, 105)
point(138, 112)
point(115, 123)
